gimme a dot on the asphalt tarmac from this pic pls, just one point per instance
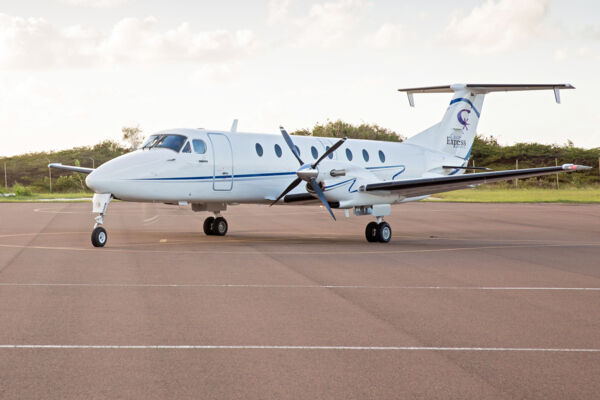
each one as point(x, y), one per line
point(469, 301)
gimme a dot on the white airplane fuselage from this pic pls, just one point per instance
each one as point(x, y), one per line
point(232, 171)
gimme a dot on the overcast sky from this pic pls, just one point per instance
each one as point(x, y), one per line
point(73, 72)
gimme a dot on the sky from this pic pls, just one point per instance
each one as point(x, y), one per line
point(74, 72)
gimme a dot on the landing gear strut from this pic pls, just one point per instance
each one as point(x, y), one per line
point(215, 226)
point(378, 231)
point(100, 203)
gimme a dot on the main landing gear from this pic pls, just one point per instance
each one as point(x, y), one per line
point(378, 231)
point(215, 226)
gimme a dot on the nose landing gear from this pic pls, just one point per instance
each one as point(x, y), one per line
point(100, 203)
point(379, 231)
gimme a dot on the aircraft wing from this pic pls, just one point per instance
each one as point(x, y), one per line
point(426, 186)
point(70, 168)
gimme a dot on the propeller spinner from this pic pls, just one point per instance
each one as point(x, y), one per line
point(308, 172)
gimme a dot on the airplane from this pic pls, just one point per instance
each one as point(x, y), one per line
point(211, 170)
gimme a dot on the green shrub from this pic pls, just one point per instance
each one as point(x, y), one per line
point(21, 190)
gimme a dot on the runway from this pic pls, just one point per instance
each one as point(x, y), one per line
point(496, 301)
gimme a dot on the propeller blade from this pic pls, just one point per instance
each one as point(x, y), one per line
point(328, 152)
point(315, 186)
point(288, 189)
point(291, 144)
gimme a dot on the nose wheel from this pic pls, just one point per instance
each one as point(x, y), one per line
point(99, 237)
point(215, 226)
point(378, 232)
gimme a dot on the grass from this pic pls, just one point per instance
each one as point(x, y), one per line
point(36, 197)
point(524, 195)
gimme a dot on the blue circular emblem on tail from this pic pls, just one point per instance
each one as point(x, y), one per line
point(462, 118)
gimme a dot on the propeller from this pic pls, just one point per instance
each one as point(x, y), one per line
point(308, 172)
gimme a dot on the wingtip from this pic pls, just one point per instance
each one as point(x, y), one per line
point(575, 167)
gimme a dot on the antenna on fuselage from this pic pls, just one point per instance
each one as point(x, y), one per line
point(234, 126)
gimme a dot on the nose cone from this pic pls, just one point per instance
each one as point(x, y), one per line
point(118, 175)
point(97, 182)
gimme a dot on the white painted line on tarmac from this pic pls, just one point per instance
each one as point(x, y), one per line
point(359, 348)
point(275, 286)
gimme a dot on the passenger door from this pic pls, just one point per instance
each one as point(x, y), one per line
point(223, 161)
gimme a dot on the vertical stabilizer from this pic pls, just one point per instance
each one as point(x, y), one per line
point(455, 134)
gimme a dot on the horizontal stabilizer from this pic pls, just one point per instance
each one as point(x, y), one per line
point(71, 168)
point(484, 88)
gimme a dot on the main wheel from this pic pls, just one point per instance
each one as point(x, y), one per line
point(208, 225)
point(371, 232)
point(219, 227)
point(99, 237)
point(384, 232)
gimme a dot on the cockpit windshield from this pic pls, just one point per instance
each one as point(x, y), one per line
point(173, 142)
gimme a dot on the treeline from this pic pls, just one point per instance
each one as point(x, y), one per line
point(31, 170)
point(487, 152)
point(340, 129)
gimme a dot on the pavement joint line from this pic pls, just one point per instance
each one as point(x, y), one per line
point(267, 347)
point(328, 252)
point(275, 286)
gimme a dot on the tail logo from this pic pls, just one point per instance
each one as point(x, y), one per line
point(463, 118)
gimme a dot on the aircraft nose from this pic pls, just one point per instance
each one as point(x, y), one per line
point(96, 182)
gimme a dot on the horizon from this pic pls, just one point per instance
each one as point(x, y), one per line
point(124, 145)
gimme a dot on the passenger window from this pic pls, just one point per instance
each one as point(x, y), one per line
point(365, 155)
point(259, 149)
point(381, 156)
point(331, 154)
point(187, 148)
point(199, 146)
point(349, 154)
point(278, 150)
point(314, 152)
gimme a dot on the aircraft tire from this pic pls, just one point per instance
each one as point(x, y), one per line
point(99, 237)
point(219, 227)
point(371, 232)
point(208, 225)
point(384, 232)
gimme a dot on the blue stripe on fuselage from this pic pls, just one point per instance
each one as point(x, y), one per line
point(192, 178)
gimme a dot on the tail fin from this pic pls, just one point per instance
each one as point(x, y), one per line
point(455, 133)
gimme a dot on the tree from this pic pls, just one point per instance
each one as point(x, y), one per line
point(133, 136)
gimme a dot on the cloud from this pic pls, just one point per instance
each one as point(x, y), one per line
point(592, 32)
point(386, 36)
point(278, 11)
point(496, 25)
point(325, 24)
point(95, 3)
point(36, 43)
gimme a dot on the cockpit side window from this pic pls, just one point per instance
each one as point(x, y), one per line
point(187, 148)
point(199, 146)
point(173, 142)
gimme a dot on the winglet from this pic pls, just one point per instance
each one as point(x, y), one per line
point(234, 126)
